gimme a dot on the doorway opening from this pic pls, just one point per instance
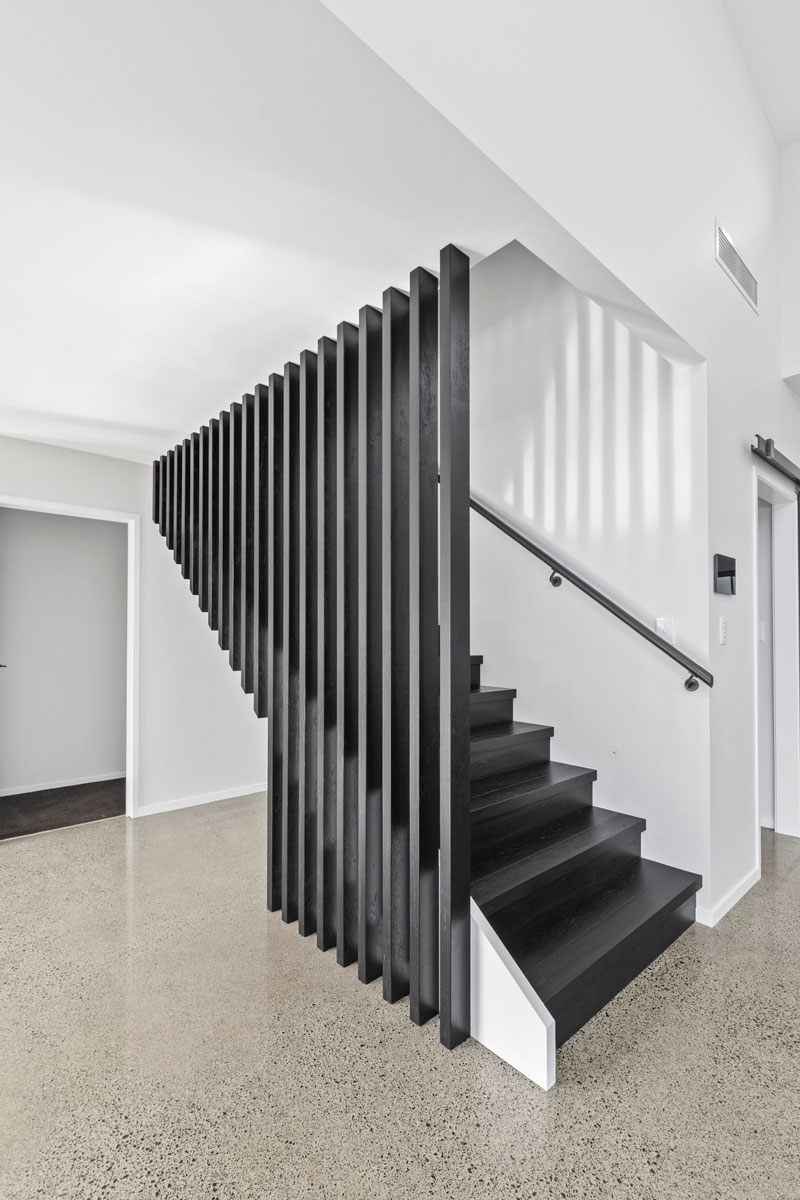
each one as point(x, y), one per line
point(766, 673)
point(777, 597)
point(68, 689)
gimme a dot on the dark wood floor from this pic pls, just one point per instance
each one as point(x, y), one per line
point(34, 812)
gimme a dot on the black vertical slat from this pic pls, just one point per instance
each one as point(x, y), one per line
point(347, 644)
point(307, 652)
point(186, 507)
point(454, 1001)
point(224, 528)
point(275, 660)
point(370, 664)
point(289, 791)
point(395, 646)
point(177, 498)
point(347, 618)
point(194, 514)
point(291, 630)
point(248, 526)
point(326, 644)
point(169, 531)
point(156, 491)
point(235, 537)
point(423, 514)
point(212, 500)
point(164, 497)
point(261, 553)
point(202, 519)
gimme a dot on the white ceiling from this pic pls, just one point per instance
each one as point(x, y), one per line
point(192, 193)
point(768, 32)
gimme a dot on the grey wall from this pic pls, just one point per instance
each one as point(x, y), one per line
point(63, 621)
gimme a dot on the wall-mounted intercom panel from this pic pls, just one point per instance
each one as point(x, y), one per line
point(724, 574)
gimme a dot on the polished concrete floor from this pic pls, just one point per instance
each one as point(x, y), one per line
point(161, 1035)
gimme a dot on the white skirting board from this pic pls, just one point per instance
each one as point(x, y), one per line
point(163, 806)
point(711, 916)
point(507, 1016)
point(62, 783)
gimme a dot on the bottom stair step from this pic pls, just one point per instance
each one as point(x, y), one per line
point(598, 945)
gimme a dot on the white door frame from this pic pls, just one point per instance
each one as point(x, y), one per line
point(770, 486)
point(132, 520)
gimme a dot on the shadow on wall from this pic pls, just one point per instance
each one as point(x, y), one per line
point(593, 440)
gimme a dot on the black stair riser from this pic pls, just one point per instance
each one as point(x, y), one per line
point(526, 750)
point(578, 1003)
point(491, 712)
point(583, 874)
point(474, 675)
point(511, 820)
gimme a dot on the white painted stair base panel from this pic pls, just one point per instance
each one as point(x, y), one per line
point(507, 1016)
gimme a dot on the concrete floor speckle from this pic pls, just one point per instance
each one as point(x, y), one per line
point(162, 1035)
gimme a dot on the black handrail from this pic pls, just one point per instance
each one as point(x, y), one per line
point(560, 572)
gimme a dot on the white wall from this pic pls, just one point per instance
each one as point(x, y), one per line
point(596, 446)
point(198, 734)
point(635, 126)
point(790, 263)
point(63, 590)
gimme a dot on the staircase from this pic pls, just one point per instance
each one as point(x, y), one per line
point(323, 524)
point(562, 883)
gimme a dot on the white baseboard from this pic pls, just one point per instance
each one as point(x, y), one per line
point(62, 783)
point(712, 916)
point(163, 806)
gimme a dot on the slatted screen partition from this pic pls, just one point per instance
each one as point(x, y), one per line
point(323, 524)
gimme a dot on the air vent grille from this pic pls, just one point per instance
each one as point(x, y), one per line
point(732, 264)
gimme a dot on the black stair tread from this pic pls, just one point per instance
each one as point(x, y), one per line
point(545, 779)
point(547, 851)
point(554, 956)
point(484, 692)
point(475, 659)
point(509, 730)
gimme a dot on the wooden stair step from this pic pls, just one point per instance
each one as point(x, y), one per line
point(500, 794)
point(502, 876)
point(485, 694)
point(600, 943)
point(491, 705)
point(508, 746)
point(509, 733)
